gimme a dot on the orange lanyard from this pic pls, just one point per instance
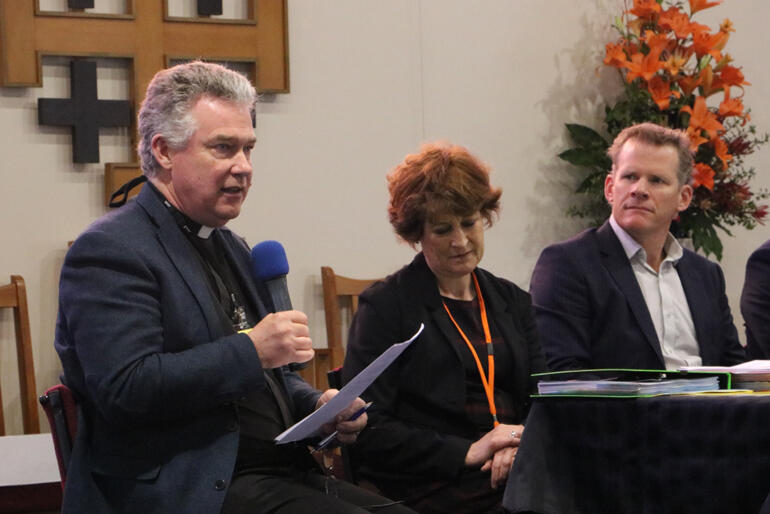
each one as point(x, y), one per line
point(488, 383)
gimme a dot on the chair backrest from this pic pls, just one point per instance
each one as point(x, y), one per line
point(60, 407)
point(14, 296)
point(340, 294)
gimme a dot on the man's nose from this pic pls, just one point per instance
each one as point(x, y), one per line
point(241, 164)
point(639, 189)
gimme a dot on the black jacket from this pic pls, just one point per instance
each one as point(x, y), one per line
point(417, 427)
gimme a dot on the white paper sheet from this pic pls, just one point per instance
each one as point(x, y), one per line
point(311, 425)
point(750, 367)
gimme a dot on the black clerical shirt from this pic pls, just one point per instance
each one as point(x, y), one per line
point(262, 414)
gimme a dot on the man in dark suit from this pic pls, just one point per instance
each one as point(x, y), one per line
point(180, 369)
point(755, 303)
point(627, 295)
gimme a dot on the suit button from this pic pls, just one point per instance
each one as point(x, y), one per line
point(232, 427)
point(219, 485)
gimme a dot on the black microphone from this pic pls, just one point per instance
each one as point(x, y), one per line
point(270, 266)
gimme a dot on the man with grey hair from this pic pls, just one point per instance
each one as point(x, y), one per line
point(627, 295)
point(178, 363)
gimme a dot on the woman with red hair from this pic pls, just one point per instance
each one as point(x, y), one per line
point(447, 416)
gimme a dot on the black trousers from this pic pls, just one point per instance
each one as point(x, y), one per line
point(301, 492)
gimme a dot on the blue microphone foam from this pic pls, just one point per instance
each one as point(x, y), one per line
point(268, 260)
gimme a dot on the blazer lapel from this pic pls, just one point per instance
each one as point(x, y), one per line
point(696, 294)
point(616, 262)
point(503, 320)
point(423, 283)
point(180, 252)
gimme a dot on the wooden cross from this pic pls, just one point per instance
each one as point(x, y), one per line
point(84, 112)
point(149, 37)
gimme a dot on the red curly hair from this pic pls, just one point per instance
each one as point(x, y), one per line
point(440, 179)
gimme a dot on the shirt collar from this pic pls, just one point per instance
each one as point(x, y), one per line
point(187, 225)
point(631, 248)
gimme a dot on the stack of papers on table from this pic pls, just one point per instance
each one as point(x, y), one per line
point(753, 375)
point(755, 367)
point(627, 387)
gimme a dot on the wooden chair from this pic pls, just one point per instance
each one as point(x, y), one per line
point(14, 295)
point(340, 294)
point(60, 407)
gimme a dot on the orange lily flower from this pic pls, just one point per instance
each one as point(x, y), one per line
point(660, 90)
point(720, 149)
point(697, 28)
point(703, 175)
point(730, 106)
point(695, 137)
point(704, 43)
point(645, 8)
point(644, 66)
point(702, 118)
point(732, 76)
point(675, 63)
point(635, 26)
point(726, 26)
point(726, 59)
point(720, 38)
point(675, 20)
point(708, 84)
point(656, 42)
point(699, 5)
point(615, 55)
point(688, 84)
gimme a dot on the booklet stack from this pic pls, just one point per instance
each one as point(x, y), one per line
point(629, 383)
point(628, 387)
point(754, 375)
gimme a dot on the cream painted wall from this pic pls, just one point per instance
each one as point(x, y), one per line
point(369, 81)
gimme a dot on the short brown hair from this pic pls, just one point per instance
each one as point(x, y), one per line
point(657, 135)
point(440, 179)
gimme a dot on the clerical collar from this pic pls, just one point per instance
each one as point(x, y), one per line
point(189, 226)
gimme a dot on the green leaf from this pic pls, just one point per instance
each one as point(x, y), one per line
point(593, 183)
point(705, 238)
point(583, 157)
point(619, 24)
point(586, 136)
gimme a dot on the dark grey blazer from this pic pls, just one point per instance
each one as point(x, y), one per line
point(153, 367)
point(755, 303)
point(590, 311)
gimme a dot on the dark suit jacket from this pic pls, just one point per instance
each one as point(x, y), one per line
point(417, 427)
point(590, 311)
point(155, 371)
point(755, 303)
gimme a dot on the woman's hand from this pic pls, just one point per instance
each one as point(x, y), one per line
point(483, 450)
point(500, 465)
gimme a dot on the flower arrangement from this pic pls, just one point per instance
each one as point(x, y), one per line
point(675, 73)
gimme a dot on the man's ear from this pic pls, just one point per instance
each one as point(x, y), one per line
point(161, 151)
point(609, 184)
point(685, 197)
